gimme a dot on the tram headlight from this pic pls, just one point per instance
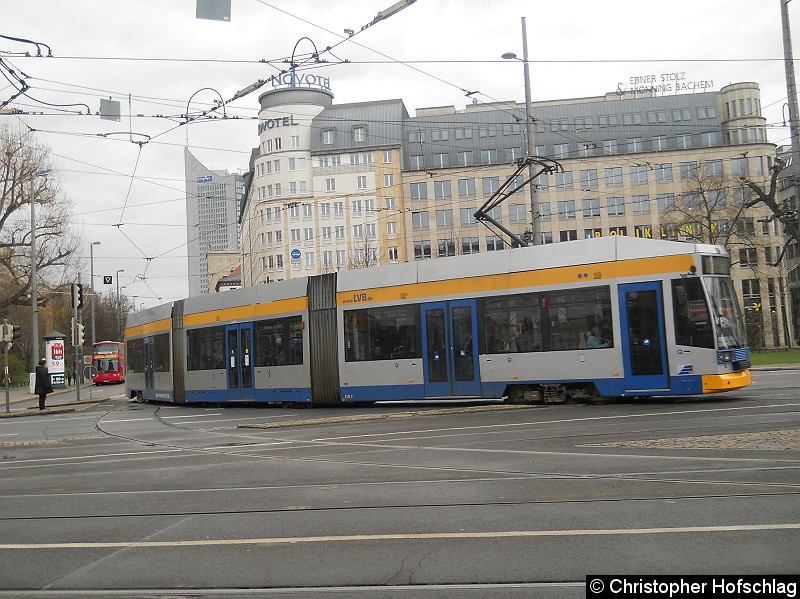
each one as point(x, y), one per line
point(725, 357)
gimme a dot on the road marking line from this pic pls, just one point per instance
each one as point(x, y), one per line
point(405, 537)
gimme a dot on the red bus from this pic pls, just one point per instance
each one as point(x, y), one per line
point(108, 357)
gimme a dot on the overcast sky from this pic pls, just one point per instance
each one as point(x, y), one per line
point(155, 55)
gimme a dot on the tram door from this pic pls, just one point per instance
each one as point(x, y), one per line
point(149, 361)
point(644, 348)
point(449, 350)
point(239, 348)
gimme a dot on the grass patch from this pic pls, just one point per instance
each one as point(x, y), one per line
point(777, 356)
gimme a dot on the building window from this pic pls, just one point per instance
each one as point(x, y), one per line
point(490, 185)
point(387, 156)
point(616, 206)
point(569, 235)
point(709, 138)
point(663, 172)
point(328, 136)
point(422, 249)
point(748, 257)
point(444, 218)
point(494, 243)
point(308, 234)
point(361, 182)
point(330, 184)
point(638, 174)
point(391, 229)
point(468, 217)
point(517, 213)
point(393, 255)
point(470, 245)
point(513, 154)
point(441, 190)
point(589, 179)
point(417, 161)
point(613, 176)
point(489, 156)
point(659, 143)
point(684, 141)
point(561, 150)
point(641, 204)
point(544, 210)
point(419, 220)
point(681, 114)
point(591, 208)
point(658, 116)
point(419, 191)
point(388, 180)
point(441, 160)
point(564, 180)
point(714, 168)
point(359, 133)
point(566, 210)
point(634, 118)
point(688, 170)
point(466, 188)
point(739, 167)
point(610, 146)
point(666, 202)
point(465, 158)
point(635, 144)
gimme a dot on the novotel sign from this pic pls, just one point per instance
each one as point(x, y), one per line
point(286, 121)
point(293, 79)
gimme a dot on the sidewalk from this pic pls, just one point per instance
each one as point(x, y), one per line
point(24, 403)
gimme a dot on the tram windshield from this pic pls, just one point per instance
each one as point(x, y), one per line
point(726, 314)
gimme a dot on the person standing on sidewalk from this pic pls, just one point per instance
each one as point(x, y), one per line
point(43, 385)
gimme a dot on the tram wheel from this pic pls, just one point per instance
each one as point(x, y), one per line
point(595, 398)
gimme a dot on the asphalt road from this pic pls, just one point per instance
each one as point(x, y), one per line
point(437, 500)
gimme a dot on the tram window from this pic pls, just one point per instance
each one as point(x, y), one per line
point(161, 359)
point(716, 265)
point(206, 348)
point(135, 355)
point(574, 312)
point(692, 321)
point(388, 333)
point(513, 324)
point(279, 342)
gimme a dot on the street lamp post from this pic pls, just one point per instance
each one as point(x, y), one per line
point(119, 306)
point(34, 296)
point(91, 286)
point(536, 224)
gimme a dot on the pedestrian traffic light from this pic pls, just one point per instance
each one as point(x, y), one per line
point(77, 295)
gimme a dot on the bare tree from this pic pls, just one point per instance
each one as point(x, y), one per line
point(365, 252)
point(783, 212)
point(22, 159)
point(712, 209)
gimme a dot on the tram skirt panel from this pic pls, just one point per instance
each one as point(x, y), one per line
point(322, 337)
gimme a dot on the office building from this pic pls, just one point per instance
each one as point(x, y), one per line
point(213, 202)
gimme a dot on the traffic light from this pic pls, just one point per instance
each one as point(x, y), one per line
point(16, 332)
point(81, 334)
point(5, 333)
point(77, 295)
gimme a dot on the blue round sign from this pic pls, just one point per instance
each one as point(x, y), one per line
point(295, 254)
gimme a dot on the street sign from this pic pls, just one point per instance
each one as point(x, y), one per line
point(295, 254)
point(87, 360)
point(108, 280)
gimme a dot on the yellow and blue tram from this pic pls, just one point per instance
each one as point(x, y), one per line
point(585, 320)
